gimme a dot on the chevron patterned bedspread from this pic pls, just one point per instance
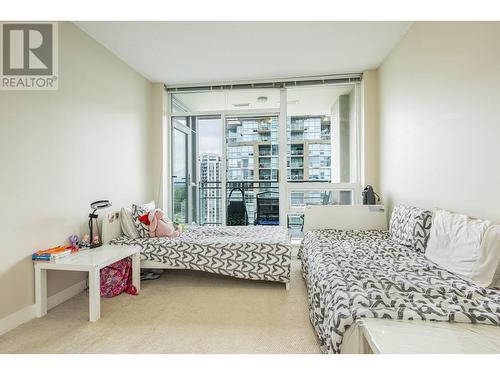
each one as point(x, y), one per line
point(363, 274)
point(249, 252)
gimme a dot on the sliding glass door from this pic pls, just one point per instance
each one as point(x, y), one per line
point(252, 167)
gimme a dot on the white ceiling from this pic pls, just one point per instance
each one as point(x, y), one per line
point(198, 52)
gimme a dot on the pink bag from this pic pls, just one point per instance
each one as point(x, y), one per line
point(117, 278)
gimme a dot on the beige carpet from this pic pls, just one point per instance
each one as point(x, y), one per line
point(182, 312)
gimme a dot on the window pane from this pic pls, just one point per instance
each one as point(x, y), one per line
point(301, 198)
point(230, 100)
point(252, 163)
point(210, 131)
point(321, 129)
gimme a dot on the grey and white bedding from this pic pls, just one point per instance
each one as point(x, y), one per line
point(366, 274)
point(249, 252)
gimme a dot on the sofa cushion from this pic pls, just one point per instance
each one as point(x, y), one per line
point(410, 226)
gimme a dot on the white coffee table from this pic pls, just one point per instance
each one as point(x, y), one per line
point(91, 261)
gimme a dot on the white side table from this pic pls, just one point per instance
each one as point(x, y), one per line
point(91, 261)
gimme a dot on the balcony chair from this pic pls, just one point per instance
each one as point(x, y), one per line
point(268, 208)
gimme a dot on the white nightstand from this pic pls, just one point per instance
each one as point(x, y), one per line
point(91, 261)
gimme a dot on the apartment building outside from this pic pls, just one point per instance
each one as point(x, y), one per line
point(210, 193)
point(252, 161)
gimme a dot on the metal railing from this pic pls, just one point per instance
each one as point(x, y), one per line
point(211, 201)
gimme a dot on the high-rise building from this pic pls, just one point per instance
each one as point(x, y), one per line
point(252, 161)
point(253, 148)
point(210, 193)
point(309, 148)
point(252, 151)
point(309, 156)
point(252, 156)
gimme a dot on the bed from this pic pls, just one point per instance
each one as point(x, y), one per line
point(246, 252)
point(356, 276)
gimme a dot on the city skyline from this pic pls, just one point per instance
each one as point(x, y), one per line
point(252, 155)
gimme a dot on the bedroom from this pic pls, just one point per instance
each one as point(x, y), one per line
point(251, 153)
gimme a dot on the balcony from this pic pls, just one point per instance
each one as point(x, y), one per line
point(210, 196)
point(212, 203)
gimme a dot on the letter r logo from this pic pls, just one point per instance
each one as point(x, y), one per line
point(27, 49)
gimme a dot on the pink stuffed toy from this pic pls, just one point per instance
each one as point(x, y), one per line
point(159, 226)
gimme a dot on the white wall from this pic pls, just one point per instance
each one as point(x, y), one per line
point(439, 118)
point(92, 139)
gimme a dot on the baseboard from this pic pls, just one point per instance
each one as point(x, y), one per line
point(28, 313)
point(66, 294)
point(16, 319)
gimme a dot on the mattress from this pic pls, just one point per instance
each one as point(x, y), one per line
point(246, 252)
point(352, 275)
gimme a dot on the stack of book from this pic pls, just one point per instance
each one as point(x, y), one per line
point(51, 255)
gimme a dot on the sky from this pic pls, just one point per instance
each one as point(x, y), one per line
point(210, 136)
point(209, 140)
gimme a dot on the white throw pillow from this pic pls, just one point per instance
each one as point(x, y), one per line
point(127, 223)
point(493, 240)
point(469, 248)
point(496, 278)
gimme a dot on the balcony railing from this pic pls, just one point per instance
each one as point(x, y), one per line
point(212, 203)
point(210, 197)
